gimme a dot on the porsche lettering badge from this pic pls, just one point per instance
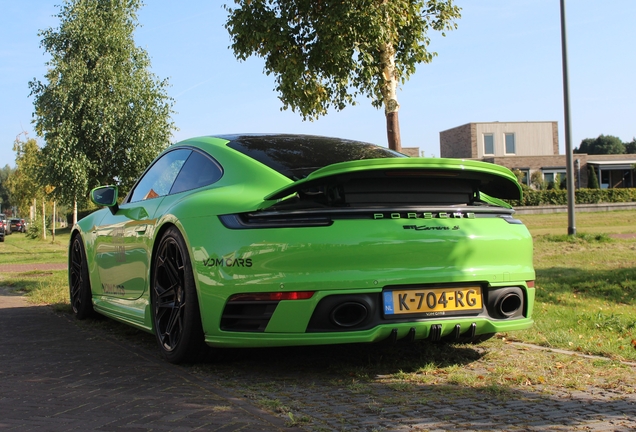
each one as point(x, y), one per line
point(424, 215)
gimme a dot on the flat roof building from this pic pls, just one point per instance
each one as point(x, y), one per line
point(531, 147)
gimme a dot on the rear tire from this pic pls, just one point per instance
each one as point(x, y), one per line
point(80, 292)
point(175, 307)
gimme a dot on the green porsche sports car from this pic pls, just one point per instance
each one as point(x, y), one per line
point(279, 240)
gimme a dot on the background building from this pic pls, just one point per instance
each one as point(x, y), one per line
point(533, 147)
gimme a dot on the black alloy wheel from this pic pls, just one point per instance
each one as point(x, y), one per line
point(79, 282)
point(176, 317)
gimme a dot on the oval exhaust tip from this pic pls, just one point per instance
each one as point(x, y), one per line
point(349, 314)
point(509, 304)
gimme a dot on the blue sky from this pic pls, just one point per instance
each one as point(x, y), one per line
point(503, 63)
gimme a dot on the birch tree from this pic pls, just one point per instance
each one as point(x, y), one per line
point(326, 53)
point(103, 115)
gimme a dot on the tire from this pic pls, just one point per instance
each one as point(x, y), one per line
point(79, 282)
point(175, 308)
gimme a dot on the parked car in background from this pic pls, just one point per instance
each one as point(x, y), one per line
point(5, 224)
point(17, 225)
point(1, 233)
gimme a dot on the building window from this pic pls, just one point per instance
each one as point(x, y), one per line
point(605, 179)
point(552, 176)
point(510, 143)
point(489, 144)
point(525, 178)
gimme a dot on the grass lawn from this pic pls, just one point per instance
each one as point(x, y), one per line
point(586, 285)
point(19, 249)
point(42, 287)
point(588, 222)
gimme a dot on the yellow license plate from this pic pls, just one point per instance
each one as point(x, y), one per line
point(433, 301)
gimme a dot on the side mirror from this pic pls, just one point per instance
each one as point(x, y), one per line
point(106, 196)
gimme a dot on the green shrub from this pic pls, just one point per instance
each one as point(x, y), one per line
point(533, 197)
point(35, 229)
point(589, 196)
point(592, 179)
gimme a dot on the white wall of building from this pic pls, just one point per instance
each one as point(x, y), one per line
point(531, 138)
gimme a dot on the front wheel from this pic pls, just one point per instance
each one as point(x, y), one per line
point(175, 307)
point(79, 283)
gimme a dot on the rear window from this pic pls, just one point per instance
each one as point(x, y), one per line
point(297, 156)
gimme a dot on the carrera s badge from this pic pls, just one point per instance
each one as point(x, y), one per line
point(430, 228)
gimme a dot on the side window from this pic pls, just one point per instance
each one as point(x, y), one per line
point(198, 171)
point(158, 180)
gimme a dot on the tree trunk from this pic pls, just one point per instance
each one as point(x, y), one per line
point(53, 223)
point(389, 94)
point(43, 220)
point(393, 131)
point(74, 212)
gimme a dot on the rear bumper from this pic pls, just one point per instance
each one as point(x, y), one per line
point(307, 322)
point(432, 330)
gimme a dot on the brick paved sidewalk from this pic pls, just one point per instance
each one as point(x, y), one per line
point(17, 268)
point(55, 376)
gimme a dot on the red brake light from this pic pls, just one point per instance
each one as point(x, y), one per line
point(530, 284)
point(272, 296)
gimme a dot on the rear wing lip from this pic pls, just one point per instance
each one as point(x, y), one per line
point(494, 180)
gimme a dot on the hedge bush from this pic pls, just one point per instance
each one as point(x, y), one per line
point(582, 196)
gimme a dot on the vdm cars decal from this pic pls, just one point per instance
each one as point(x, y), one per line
point(228, 262)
